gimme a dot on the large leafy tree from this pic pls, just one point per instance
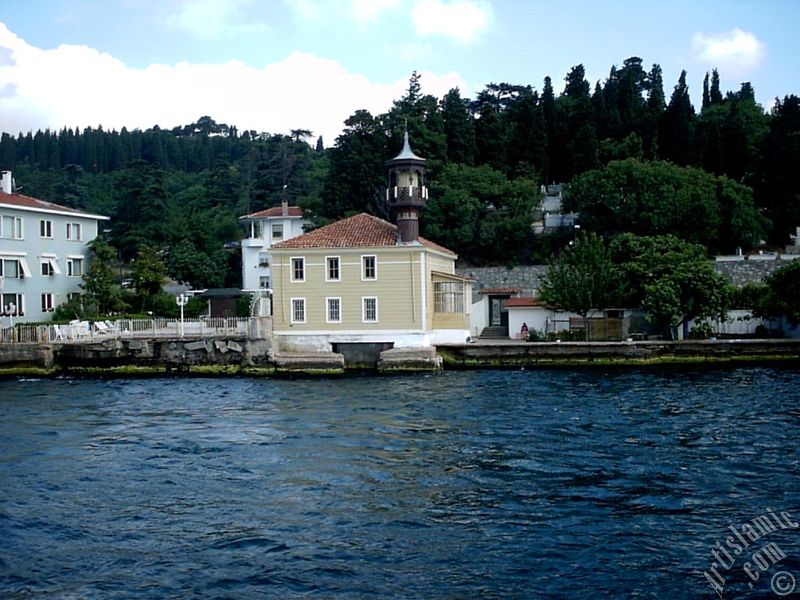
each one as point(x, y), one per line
point(783, 293)
point(194, 267)
point(481, 214)
point(148, 275)
point(103, 295)
point(671, 279)
point(658, 198)
point(582, 279)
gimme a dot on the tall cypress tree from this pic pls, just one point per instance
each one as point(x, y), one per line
point(677, 125)
point(459, 128)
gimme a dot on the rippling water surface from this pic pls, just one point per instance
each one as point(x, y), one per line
point(555, 484)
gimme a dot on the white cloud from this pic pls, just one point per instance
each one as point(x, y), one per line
point(210, 19)
point(737, 49)
point(462, 20)
point(77, 86)
point(369, 11)
point(361, 12)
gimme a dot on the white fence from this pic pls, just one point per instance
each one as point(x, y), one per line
point(86, 331)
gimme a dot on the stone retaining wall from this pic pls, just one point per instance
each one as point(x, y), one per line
point(527, 278)
point(741, 272)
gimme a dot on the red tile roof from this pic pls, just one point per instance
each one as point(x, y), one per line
point(23, 201)
point(522, 302)
point(275, 211)
point(359, 231)
point(499, 291)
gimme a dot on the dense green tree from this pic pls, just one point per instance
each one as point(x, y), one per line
point(357, 176)
point(655, 110)
point(714, 93)
point(783, 297)
point(671, 279)
point(582, 279)
point(481, 214)
point(194, 267)
point(142, 200)
point(102, 294)
point(660, 198)
point(148, 275)
point(459, 128)
point(676, 133)
point(577, 128)
point(778, 183)
point(527, 137)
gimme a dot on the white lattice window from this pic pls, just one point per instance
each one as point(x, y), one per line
point(298, 310)
point(333, 310)
point(369, 306)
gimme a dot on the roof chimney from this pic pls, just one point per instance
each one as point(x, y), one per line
point(6, 182)
point(285, 207)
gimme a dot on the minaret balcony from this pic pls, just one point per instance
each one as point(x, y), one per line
point(412, 195)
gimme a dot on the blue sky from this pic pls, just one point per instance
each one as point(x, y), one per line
point(282, 64)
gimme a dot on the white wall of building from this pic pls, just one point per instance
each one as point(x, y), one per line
point(252, 247)
point(43, 267)
point(478, 316)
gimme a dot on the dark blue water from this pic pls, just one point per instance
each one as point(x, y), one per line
point(553, 484)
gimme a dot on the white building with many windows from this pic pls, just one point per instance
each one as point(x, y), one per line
point(43, 253)
point(265, 229)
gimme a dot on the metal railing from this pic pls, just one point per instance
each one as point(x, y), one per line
point(92, 331)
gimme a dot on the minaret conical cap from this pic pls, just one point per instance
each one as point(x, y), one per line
point(407, 153)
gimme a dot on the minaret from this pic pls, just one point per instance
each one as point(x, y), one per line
point(406, 193)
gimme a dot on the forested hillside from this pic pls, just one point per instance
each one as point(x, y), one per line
point(724, 174)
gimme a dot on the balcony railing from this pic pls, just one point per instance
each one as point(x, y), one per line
point(97, 331)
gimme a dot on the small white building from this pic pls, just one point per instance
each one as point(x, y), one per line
point(265, 229)
point(43, 253)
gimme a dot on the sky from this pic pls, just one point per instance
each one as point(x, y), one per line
point(277, 65)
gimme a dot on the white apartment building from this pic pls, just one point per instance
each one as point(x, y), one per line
point(265, 229)
point(43, 253)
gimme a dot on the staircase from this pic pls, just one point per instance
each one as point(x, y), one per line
point(495, 332)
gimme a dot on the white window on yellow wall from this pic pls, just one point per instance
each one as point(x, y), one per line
point(298, 265)
point(333, 310)
point(369, 309)
point(298, 310)
point(332, 268)
point(369, 267)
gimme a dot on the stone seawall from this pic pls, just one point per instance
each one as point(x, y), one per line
point(139, 352)
point(244, 356)
point(522, 354)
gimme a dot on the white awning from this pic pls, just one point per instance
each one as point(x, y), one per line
point(53, 265)
point(26, 270)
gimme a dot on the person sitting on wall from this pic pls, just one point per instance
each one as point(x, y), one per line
point(523, 332)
